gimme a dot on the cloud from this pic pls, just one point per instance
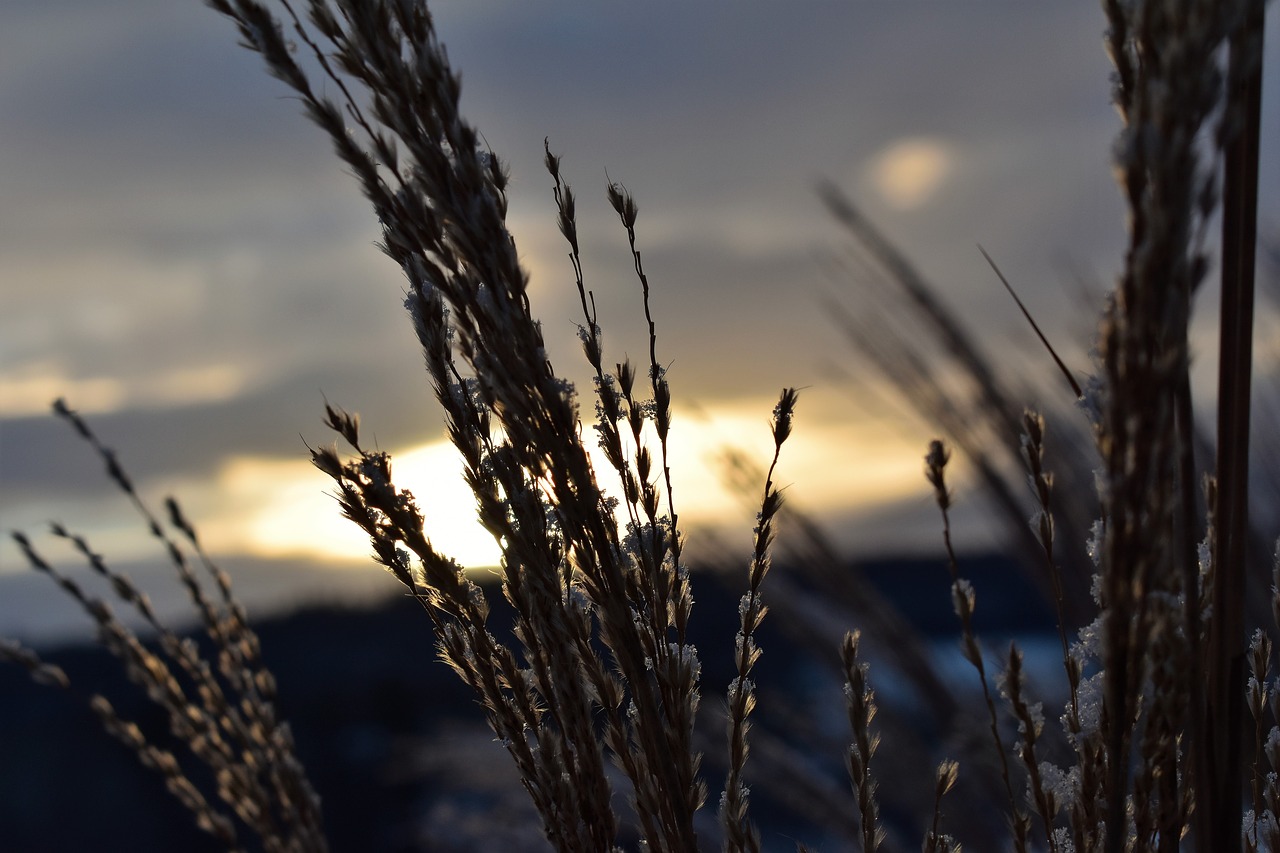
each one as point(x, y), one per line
point(909, 172)
point(181, 253)
point(284, 508)
point(30, 389)
point(273, 508)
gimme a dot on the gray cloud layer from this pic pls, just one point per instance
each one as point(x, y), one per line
point(164, 208)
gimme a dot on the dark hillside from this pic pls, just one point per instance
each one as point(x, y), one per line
point(393, 741)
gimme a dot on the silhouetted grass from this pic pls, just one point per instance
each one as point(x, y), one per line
point(599, 687)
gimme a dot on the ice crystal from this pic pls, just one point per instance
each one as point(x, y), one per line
point(1094, 549)
point(963, 598)
point(1058, 783)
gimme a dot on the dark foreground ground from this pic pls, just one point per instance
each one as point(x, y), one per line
point(395, 744)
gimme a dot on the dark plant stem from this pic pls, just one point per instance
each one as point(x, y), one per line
point(1187, 559)
point(1239, 239)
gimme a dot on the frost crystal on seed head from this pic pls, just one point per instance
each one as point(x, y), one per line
point(1263, 824)
point(1204, 553)
point(1273, 741)
point(578, 599)
point(1089, 701)
point(1092, 399)
point(1089, 644)
point(1094, 546)
point(1058, 783)
point(962, 597)
point(567, 391)
point(1036, 712)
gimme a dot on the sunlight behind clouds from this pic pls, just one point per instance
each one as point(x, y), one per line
point(291, 510)
point(910, 171)
point(279, 508)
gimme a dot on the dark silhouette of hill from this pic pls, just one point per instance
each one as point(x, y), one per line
point(394, 742)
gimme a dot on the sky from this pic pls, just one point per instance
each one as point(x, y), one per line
point(184, 260)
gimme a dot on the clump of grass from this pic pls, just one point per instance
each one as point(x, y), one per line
point(578, 579)
point(1160, 750)
point(222, 713)
point(602, 670)
point(862, 710)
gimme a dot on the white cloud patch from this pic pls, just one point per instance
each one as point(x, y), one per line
point(910, 171)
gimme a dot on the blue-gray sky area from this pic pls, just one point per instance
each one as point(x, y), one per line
point(183, 258)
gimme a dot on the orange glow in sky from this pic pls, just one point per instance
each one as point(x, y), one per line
point(277, 508)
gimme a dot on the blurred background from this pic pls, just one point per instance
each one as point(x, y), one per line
point(183, 259)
